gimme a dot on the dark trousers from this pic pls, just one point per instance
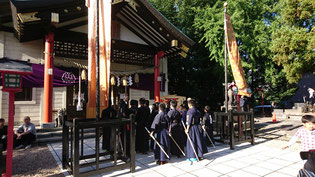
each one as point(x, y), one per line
point(122, 138)
point(151, 144)
point(209, 130)
point(3, 141)
point(142, 140)
point(24, 140)
point(106, 138)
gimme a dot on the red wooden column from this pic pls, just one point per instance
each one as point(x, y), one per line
point(48, 79)
point(157, 85)
point(8, 172)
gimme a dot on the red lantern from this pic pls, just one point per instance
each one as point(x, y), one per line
point(12, 73)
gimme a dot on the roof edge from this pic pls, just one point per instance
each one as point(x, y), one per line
point(177, 32)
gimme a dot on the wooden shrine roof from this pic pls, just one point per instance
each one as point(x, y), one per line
point(31, 19)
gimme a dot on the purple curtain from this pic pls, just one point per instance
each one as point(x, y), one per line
point(61, 78)
point(69, 76)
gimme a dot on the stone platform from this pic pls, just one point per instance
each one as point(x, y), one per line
point(263, 159)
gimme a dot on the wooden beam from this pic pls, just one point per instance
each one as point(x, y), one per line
point(132, 28)
point(74, 25)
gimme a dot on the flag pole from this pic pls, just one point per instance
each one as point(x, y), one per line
point(97, 56)
point(97, 78)
point(225, 61)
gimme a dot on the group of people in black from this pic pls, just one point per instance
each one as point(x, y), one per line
point(166, 129)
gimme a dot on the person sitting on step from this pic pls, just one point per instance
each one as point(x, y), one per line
point(25, 134)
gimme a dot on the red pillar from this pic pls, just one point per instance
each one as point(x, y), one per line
point(48, 79)
point(157, 85)
point(10, 136)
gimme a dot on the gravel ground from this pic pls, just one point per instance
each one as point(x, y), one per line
point(37, 162)
point(278, 134)
point(283, 129)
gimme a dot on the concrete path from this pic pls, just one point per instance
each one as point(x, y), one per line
point(263, 159)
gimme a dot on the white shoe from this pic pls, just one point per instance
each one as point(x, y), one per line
point(28, 146)
point(20, 146)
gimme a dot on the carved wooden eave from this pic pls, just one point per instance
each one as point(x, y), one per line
point(31, 19)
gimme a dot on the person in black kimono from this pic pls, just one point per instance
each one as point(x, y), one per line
point(124, 113)
point(193, 123)
point(154, 112)
point(142, 137)
point(207, 124)
point(108, 113)
point(132, 110)
point(184, 110)
point(147, 104)
point(176, 129)
point(160, 126)
point(133, 107)
point(123, 108)
point(3, 134)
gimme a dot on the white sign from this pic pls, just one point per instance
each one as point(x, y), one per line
point(68, 78)
point(50, 71)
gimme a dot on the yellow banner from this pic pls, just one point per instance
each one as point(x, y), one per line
point(235, 59)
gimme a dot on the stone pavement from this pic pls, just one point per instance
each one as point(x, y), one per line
point(263, 159)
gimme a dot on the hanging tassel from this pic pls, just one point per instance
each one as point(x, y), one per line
point(125, 83)
point(79, 104)
point(112, 80)
point(83, 74)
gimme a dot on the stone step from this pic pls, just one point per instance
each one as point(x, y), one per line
point(55, 139)
point(48, 129)
point(58, 133)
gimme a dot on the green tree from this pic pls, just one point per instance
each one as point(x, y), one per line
point(293, 39)
point(278, 87)
point(195, 76)
point(263, 38)
point(252, 23)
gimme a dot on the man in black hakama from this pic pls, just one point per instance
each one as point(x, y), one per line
point(176, 129)
point(133, 107)
point(132, 110)
point(193, 123)
point(154, 112)
point(142, 137)
point(108, 113)
point(160, 126)
point(207, 124)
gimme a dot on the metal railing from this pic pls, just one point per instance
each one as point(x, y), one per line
point(231, 125)
point(73, 155)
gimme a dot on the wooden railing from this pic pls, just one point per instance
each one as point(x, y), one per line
point(73, 133)
point(234, 125)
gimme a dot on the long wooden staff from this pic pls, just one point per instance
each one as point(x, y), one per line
point(177, 144)
point(208, 136)
point(190, 142)
point(121, 145)
point(157, 142)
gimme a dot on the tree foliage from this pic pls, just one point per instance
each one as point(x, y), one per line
point(195, 76)
point(293, 40)
point(275, 43)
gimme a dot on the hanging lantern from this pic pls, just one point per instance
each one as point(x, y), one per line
point(83, 75)
point(112, 80)
point(136, 78)
point(125, 83)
